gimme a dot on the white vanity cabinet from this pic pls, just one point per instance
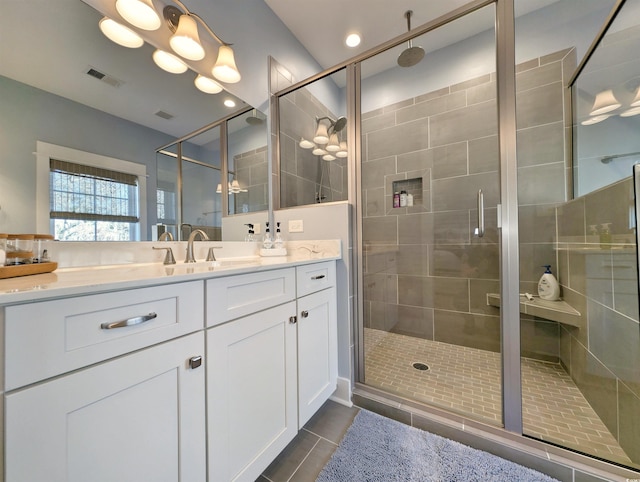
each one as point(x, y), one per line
point(127, 414)
point(317, 337)
point(271, 363)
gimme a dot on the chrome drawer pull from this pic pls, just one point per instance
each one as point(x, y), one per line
point(130, 322)
point(320, 276)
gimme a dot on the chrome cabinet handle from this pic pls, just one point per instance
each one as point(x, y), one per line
point(480, 229)
point(304, 314)
point(130, 322)
point(320, 276)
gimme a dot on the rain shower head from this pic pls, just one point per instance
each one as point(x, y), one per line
point(411, 55)
point(339, 124)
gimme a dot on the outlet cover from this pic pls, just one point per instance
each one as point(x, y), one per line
point(296, 226)
point(257, 228)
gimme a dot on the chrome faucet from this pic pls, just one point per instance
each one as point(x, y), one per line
point(196, 232)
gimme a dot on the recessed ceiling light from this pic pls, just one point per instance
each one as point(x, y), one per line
point(352, 40)
point(229, 103)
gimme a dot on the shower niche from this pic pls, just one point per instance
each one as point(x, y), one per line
point(412, 188)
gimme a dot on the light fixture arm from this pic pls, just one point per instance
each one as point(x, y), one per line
point(202, 22)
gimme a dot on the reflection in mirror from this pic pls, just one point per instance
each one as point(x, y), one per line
point(247, 163)
point(312, 137)
point(48, 95)
point(606, 97)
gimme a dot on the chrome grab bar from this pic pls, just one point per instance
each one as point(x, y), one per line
point(130, 322)
point(479, 232)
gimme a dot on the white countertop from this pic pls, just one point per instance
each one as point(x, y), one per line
point(72, 281)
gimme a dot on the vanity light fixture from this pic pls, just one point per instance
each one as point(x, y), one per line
point(207, 85)
point(326, 141)
point(232, 188)
point(186, 41)
point(120, 34)
point(305, 144)
point(169, 62)
point(631, 112)
point(139, 13)
point(185, 38)
point(605, 102)
point(594, 120)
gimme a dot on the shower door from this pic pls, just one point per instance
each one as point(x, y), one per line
point(430, 257)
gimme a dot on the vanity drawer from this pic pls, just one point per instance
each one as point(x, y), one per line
point(231, 297)
point(49, 338)
point(315, 277)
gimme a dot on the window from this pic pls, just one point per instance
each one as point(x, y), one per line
point(81, 196)
point(166, 203)
point(92, 204)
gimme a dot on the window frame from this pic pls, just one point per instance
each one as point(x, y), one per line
point(46, 151)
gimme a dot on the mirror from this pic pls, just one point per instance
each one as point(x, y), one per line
point(313, 135)
point(48, 95)
point(196, 164)
point(606, 101)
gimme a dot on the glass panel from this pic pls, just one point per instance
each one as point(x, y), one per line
point(201, 204)
point(430, 143)
point(606, 99)
point(313, 149)
point(248, 163)
point(580, 352)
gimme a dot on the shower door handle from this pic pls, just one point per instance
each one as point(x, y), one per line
point(479, 232)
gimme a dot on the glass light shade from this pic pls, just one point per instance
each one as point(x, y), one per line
point(594, 120)
point(225, 68)
point(219, 189)
point(322, 136)
point(169, 62)
point(318, 151)
point(342, 153)
point(235, 186)
point(207, 85)
point(636, 100)
point(605, 102)
point(334, 143)
point(328, 157)
point(120, 34)
point(139, 13)
point(186, 42)
point(305, 144)
point(631, 112)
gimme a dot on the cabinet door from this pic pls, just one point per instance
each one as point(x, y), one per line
point(251, 392)
point(317, 351)
point(139, 417)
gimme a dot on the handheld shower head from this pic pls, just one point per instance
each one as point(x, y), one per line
point(411, 55)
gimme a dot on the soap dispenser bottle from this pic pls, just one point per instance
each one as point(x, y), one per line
point(250, 237)
point(267, 242)
point(548, 287)
point(278, 242)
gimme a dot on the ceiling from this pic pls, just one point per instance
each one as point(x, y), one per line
point(64, 42)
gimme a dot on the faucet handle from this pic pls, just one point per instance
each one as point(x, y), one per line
point(168, 258)
point(210, 254)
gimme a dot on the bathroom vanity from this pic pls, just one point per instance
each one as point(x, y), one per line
point(165, 373)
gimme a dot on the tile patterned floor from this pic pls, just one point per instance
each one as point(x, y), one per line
point(306, 455)
point(467, 380)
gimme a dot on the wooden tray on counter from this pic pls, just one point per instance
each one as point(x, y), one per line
point(26, 269)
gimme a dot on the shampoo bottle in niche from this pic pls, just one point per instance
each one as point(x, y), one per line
point(548, 287)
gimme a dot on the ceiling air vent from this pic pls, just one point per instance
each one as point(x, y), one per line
point(106, 78)
point(164, 115)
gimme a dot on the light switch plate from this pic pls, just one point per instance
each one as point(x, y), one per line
point(296, 226)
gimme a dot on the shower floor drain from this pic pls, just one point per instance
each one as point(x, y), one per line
point(421, 366)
